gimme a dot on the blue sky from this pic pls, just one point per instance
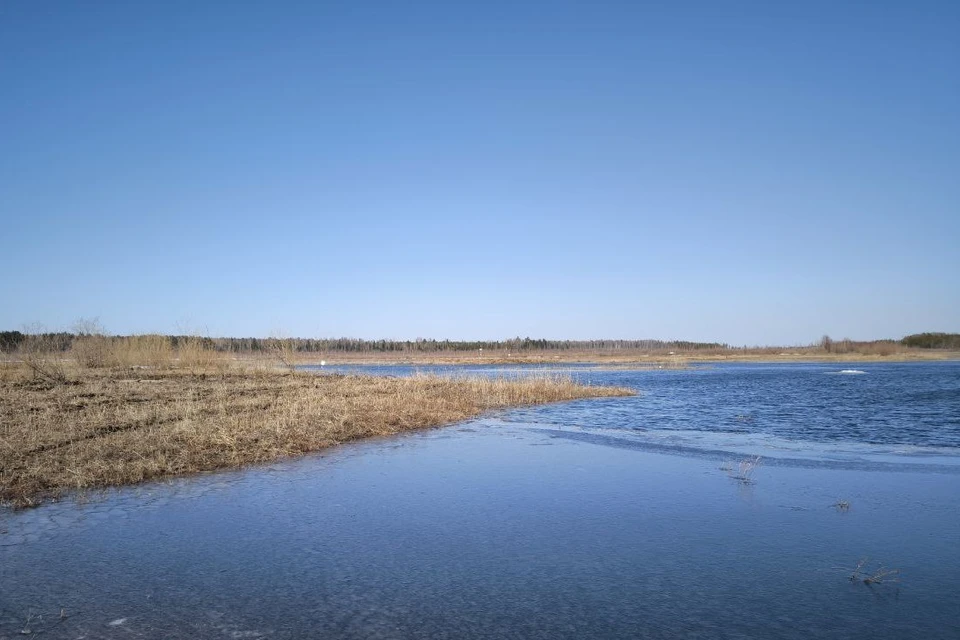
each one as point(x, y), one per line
point(752, 173)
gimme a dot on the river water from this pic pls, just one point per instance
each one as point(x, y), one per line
point(609, 518)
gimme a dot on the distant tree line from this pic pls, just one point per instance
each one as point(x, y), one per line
point(933, 341)
point(10, 341)
point(357, 345)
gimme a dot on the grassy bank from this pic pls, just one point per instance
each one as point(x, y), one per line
point(103, 426)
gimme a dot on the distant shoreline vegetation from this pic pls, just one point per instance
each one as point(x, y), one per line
point(11, 341)
point(932, 341)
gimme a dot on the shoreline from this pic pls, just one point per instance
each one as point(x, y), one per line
point(678, 360)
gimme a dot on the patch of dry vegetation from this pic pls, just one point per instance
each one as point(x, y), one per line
point(191, 410)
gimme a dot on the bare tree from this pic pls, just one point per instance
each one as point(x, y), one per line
point(826, 343)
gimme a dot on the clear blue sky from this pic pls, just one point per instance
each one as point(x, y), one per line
point(752, 173)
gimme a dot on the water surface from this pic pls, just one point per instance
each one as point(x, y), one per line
point(606, 518)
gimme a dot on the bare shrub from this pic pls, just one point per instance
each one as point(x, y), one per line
point(284, 350)
point(91, 346)
point(43, 354)
point(92, 352)
point(826, 343)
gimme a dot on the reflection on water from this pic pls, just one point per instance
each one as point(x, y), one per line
point(553, 522)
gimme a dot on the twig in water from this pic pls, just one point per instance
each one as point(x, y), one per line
point(26, 625)
point(880, 575)
point(745, 469)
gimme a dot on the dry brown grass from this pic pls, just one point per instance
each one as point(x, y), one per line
point(115, 426)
